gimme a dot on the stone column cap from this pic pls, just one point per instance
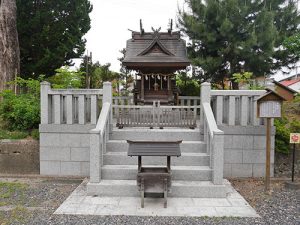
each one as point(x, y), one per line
point(205, 84)
point(45, 83)
point(106, 83)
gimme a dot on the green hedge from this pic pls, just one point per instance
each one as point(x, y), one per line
point(283, 129)
point(20, 112)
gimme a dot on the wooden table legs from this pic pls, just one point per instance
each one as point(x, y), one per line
point(142, 193)
point(169, 163)
point(151, 178)
point(165, 192)
point(139, 164)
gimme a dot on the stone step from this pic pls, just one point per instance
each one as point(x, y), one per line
point(183, 189)
point(186, 146)
point(146, 134)
point(186, 159)
point(129, 172)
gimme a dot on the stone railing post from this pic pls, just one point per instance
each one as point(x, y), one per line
point(45, 88)
point(107, 92)
point(218, 157)
point(205, 92)
point(107, 97)
point(95, 157)
point(204, 98)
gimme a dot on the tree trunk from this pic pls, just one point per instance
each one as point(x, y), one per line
point(9, 43)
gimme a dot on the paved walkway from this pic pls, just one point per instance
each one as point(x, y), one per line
point(234, 205)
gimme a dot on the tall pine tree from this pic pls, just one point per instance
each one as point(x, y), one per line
point(293, 44)
point(51, 33)
point(229, 35)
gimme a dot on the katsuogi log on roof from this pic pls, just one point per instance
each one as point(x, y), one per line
point(156, 49)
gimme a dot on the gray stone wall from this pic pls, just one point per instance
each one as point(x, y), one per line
point(19, 156)
point(65, 150)
point(244, 151)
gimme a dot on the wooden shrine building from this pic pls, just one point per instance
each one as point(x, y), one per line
point(156, 56)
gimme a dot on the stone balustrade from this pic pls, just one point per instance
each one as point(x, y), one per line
point(212, 135)
point(236, 107)
point(69, 106)
point(68, 116)
point(189, 100)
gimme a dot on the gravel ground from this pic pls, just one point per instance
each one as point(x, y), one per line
point(283, 164)
point(41, 197)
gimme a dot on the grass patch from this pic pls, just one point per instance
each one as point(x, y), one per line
point(5, 134)
point(3, 204)
point(16, 135)
point(292, 109)
point(35, 134)
point(19, 215)
point(12, 192)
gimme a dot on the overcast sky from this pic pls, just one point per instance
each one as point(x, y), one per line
point(111, 20)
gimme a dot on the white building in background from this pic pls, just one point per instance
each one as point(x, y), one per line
point(286, 73)
point(289, 77)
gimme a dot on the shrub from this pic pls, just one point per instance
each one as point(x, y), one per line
point(35, 134)
point(188, 88)
point(282, 136)
point(283, 129)
point(295, 126)
point(289, 123)
point(22, 111)
point(4, 134)
point(64, 78)
point(29, 86)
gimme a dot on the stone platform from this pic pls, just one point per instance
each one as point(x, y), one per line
point(234, 205)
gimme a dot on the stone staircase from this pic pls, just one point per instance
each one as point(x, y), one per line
point(191, 173)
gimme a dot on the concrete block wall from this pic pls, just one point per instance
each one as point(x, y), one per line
point(19, 156)
point(244, 151)
point(65, 149)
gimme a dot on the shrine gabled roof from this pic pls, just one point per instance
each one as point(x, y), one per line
point(154, 47)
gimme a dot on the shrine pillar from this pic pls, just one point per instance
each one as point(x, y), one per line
point(142, 88)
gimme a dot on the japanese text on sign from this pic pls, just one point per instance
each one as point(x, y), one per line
point(270, 109)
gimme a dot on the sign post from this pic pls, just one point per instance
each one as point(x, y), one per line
point(269, 106)
point(268, 154)
point(294, 139)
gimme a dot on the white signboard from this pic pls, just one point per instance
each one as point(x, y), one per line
point(270, 109)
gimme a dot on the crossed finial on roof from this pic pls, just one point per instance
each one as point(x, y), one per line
point(156, 32)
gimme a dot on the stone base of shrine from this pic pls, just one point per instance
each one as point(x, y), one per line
point(65, 149)
point(233, 205)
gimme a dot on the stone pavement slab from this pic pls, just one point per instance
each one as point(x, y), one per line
point(234, 205)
